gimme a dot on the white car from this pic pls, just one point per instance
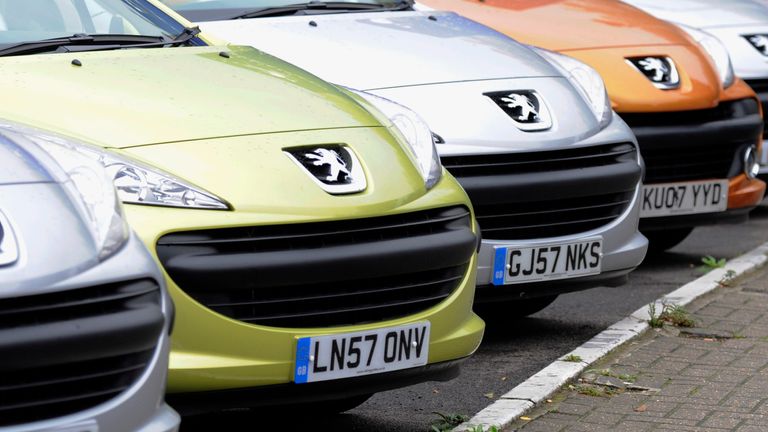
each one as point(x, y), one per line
point(742, 27)
point(552, 171)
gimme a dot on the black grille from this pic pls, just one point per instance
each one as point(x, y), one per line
point(40, 393)
point(542, 219)
point(696, 145)
point(64, 352)
point(550, 193)
point(325, 273)
point(760, 86)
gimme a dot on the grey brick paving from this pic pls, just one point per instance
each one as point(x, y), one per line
point(701, 384)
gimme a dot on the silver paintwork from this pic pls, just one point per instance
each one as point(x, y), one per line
point(9, 247)
point(57, 254)
point(423, 64)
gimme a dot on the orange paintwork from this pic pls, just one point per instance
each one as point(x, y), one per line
point(603, 33)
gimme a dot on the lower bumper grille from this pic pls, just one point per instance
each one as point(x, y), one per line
point(325, 273)
point(545, 194)
point(696, 145)
point(65, 352)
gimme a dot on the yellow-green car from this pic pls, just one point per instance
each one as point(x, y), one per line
point(313, 244)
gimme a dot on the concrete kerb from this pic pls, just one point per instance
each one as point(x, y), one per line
point(542, 385)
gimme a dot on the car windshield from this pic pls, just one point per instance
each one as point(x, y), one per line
point(23, 21)
point(208, 10)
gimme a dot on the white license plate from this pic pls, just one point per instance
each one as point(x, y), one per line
point(547, 262)
point(323, 358)
point(684, 198)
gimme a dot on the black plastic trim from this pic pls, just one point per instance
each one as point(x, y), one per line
point(289, 394)
point(732, 216)
point(493, 293)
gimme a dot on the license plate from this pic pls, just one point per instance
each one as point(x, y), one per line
point(684, 198)
point(547, 262)
point(346, 355)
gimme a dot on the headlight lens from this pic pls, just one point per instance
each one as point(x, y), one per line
point(91, 186)
point(589, 83)
point(136, 183)
point(716, 50)
point(416, 133)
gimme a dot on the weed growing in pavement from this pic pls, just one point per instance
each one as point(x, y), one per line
point(572, 358)
point(480, 428)
point(447, 422)
point(727, 278)
point(593, 391)
point(624, 377)
point(711, 263)
point(673, 314)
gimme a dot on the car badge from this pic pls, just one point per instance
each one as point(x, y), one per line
point(335, 168)
point(9, 248)
point(526, 108)
point(661, 71)
point(759, 42)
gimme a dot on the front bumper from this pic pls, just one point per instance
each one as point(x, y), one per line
point(623, 246)
point(213, 352)
point(140, 407)
point(701, 145)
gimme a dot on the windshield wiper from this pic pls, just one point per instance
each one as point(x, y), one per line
point(295, 9)
point(97, 42)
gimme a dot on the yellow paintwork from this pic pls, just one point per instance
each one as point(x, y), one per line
point(221, 124)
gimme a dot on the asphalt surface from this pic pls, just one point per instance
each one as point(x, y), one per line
point(512, 351)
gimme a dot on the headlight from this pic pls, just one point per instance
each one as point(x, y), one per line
point(586, 80)
point(136, 183)
point(716, 50)
point(88, 183)
point(416, 133)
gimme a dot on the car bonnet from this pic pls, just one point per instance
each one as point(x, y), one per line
point(126, 98)
point(707, 13)
point(567, 25)
point(387, 49)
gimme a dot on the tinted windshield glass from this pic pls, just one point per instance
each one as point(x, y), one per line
point(33, 20)
point(233, 8)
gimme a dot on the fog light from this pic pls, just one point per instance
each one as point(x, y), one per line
point(751, 167)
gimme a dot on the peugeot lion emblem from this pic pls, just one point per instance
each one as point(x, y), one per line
point(334, 168)
point(526, 108)
point(9, 248)
point(661, 71)
point(759, 42)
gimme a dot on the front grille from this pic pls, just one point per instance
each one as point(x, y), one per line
point(64, 352)
point(542, 219)
point(544, 194)
point(325, 273)
point(49, 392)
point(696, 145)
point(760, 86)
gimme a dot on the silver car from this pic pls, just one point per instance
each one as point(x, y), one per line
point(85, 319)
point(552, 172)
point(742, 27)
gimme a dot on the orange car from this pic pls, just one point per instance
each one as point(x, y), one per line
point(698, 126)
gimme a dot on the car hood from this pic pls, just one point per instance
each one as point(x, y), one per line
point(128, 98)
point(706, 13)
point(568, 24)
point(387, 49)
